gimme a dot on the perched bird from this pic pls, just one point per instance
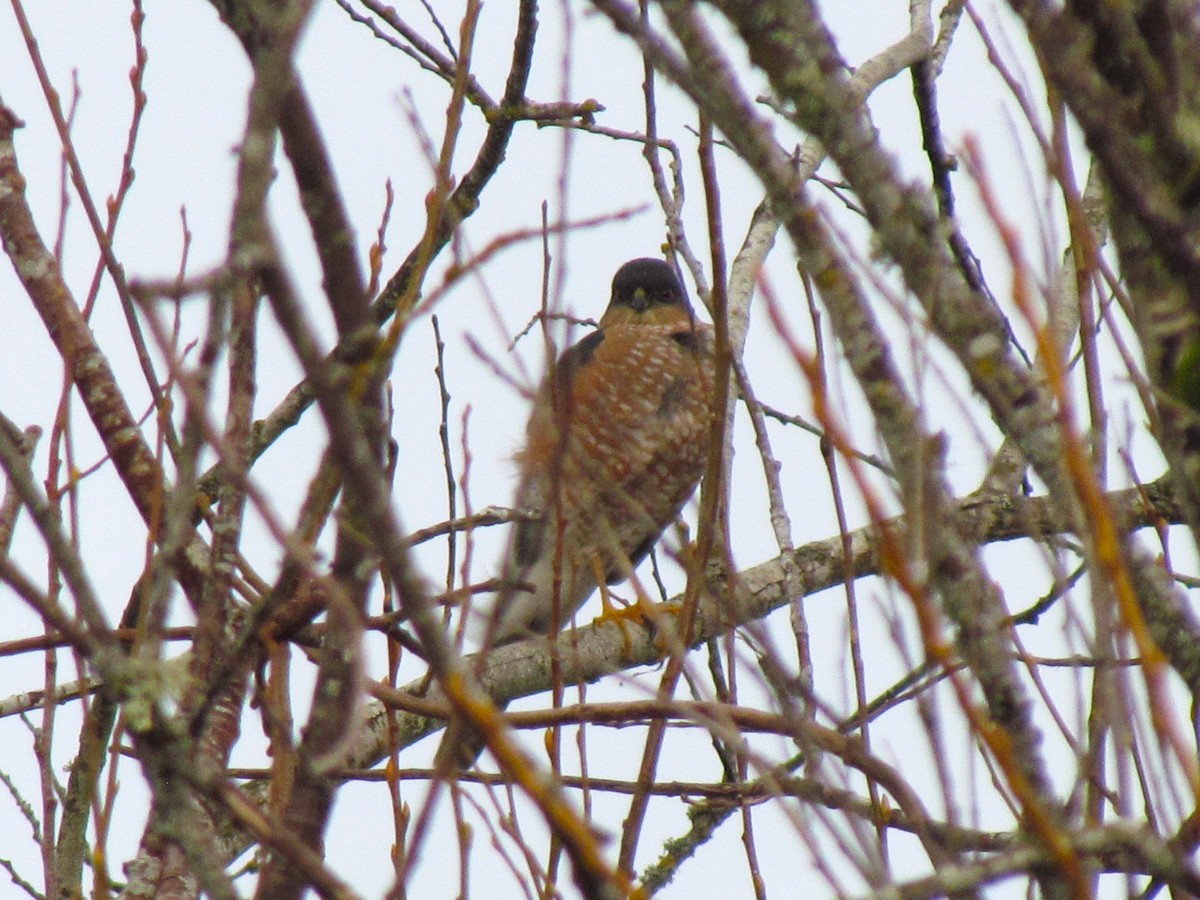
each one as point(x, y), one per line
point(616, 444)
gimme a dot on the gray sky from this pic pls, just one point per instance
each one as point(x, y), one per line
point(367, 97)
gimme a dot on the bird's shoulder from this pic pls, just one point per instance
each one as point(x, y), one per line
point(617, 337)
point(596, 365)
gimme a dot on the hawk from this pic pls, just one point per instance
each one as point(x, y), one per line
point(616, 444)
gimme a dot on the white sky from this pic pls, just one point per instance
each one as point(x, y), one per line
point(196, 80)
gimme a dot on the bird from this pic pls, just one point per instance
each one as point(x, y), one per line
point(616, 444)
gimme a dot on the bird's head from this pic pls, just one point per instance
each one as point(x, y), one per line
point(646, 291)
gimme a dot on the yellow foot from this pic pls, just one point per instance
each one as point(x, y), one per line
point(666, 634)
point(641, 612)
point(626, 612)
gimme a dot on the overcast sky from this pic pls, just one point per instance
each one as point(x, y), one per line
point(366, 95)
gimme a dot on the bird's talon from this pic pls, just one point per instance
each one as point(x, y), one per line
point(663, 637)
point(644, 614)
point(621, 615)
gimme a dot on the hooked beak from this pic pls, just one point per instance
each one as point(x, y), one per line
point(640, 301)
